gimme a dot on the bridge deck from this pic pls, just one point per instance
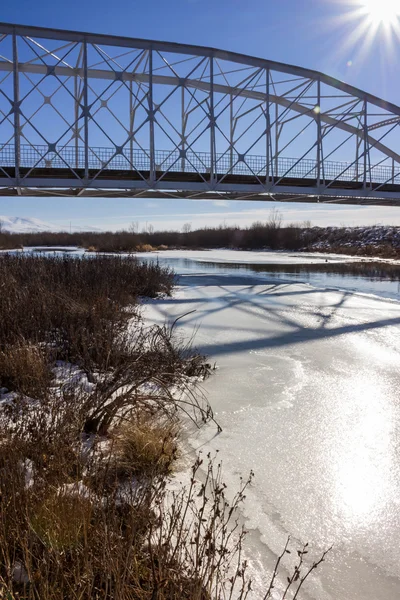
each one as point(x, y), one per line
point(120, 177)
point(62, 171)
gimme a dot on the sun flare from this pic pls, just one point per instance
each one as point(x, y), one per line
point(365, 27)
point(386, 12)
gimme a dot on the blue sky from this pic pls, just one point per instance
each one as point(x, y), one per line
point(319, 34)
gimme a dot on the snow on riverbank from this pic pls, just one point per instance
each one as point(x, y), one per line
point(306, 392)
point(251, 256)
point(379, 239)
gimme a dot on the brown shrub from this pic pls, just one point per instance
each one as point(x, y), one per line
point(145, 248)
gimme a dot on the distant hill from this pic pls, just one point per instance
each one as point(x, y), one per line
point(24, 225)
point(32, 225)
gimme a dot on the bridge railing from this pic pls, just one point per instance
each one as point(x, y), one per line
point(129, 159)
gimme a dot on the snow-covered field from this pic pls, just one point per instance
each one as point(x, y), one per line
point(306, 392)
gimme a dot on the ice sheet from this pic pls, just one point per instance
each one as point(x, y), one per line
point(306, 392)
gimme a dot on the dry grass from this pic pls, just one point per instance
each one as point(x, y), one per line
point(65, 532)
point(62, 521)
point(77, 540)
point(145, 446)
point(145, 248)
point(25, 368)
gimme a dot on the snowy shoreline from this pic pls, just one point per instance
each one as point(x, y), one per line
point(319, 254)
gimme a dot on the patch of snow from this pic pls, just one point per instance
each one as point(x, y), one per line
point(27, 467)
point(67, 374)
point(20, 574)
point(77, 488)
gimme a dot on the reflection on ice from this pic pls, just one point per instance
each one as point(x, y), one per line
point(362, 459)
point(320, 270)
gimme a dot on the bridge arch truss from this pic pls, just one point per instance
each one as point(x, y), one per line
point(97, 115)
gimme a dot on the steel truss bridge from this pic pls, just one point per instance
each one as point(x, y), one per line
point(103, 116)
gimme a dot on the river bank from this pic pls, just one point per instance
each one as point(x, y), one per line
point(90, 400)
point(373, 241)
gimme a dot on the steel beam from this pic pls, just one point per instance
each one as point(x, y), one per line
point(127, 42)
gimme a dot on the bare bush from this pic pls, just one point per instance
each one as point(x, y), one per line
point(76, 306)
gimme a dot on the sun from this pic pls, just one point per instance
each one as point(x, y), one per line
point(385, 12)
point(366, 27)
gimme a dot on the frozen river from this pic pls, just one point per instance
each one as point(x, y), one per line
point(307, 394)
